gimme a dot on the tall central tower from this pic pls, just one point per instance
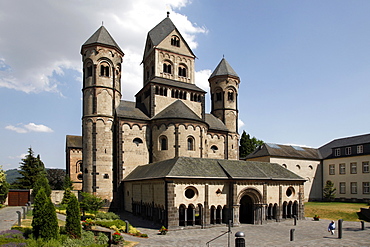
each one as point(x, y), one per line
point(102, 58)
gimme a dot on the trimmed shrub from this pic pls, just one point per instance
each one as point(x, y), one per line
point(73, 226)
point(107, 216)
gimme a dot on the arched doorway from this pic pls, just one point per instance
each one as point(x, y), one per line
point(246, 214)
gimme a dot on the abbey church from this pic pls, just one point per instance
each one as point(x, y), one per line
point(162, 156)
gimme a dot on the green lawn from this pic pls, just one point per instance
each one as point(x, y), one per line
point(334, 210)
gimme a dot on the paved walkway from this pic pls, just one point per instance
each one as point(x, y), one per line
point(9, 217)
point(307, 233)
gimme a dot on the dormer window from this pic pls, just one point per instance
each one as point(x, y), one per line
point(182, 71)
point(175, 41)
point(167, 68)
point(360, 149)
point(348, 150)
point(337, 152)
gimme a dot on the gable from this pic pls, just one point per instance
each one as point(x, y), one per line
point(183, 48)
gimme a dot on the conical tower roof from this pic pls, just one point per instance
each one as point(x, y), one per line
point(224, 68)
point(102, 37)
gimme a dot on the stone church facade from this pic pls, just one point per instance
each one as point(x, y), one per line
point(162, 156)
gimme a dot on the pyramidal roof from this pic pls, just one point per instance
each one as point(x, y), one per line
point(224, 68)
point(102, 36)
point(161, 31)
point(177, 110)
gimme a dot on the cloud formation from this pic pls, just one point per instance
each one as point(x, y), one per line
point(31, 56)
point(31, 127)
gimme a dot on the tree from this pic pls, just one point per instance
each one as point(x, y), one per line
point(4, 186)
point(90, 203)
point(329, 190)
point(31, 167)
point(56, 178)
point(73, 226)
point(41, 182)
point(68, 187)
point(248, 144)
point(44, 222)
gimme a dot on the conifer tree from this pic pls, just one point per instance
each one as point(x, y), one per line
point(329, 190)
point(68, 187)
point(44, 222)
point(248, 144)
point(31, 167)
point(41, 182)
point(73, 226)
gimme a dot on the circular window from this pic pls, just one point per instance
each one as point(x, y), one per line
point(79, 176)
point(290, 192)
point(190, 192)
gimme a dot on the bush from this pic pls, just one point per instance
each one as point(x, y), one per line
point(108, 224)
point(26, 231)
point(107, 216)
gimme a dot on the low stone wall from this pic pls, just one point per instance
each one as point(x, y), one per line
point(57, 195)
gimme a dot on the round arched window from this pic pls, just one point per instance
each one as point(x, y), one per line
point(190, 192)
point(290, 192)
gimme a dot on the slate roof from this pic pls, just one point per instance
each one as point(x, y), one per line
point(177, 84)
point(73, 141)
point(215, 123)
point(102, 36)
point(326, 150)
point(285, 151)
point(177, 110)
point(162, 30)
point(127, 109)
point(224, 68)
point(187, 167)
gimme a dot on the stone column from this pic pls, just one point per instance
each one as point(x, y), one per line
point(172, 211)
point(278, 213)
point(206, 206)
point(236, 204)
point(301, 202)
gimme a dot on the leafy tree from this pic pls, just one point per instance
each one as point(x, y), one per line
point(31, 167)
point(4, 186)
point(248, 144)
point(56, 178)
point(73, 226)
point(90, 203)
point(44, 222)
point(329, 190)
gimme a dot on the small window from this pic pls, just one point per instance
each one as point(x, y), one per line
point(214, 148)
point(337, 152)
point(342, 188)
point(284, 165)
point(218, 96)
point(137, 141)
point(190, 192)
point(106, 176)
point(342, 168)
point(365, 167)
point(298, 167)
point(182, 71)
point(310, 167)
point(353, 168)
point(175, 41)
point(365, 187)
point(290, 192)
point(332, 169)
point(80, 176)
point(89, 71)
point(104, 70)
point(167, 68)
point(360, 149)
point(348, 150)
point(353, 187)
point(163, 143)
point(230, 96)
point(191, 143)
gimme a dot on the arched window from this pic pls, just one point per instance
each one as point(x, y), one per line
point(163, 143)
point(89, 71)
point(79, 166)
point(175, 41)
point(182, 71)
point(230, 96)
point(214, 148)
point(137, 141)
point(190, 143)
point(104, 70)
point(167, 68)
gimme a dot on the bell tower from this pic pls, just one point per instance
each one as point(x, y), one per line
point(224, 85)
point(102, 58)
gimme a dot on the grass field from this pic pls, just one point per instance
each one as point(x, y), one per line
point(334, 210)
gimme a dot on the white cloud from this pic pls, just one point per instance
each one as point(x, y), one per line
point(31, 127)
point(19, 157)
point(44, 42)
point(240, 123)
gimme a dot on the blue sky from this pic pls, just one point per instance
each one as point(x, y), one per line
point(304, 65)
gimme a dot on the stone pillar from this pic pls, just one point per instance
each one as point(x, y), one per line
point(279, 209)
point(236, 204)
point(172, 211)
point(301, 202)
point(206, 213)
